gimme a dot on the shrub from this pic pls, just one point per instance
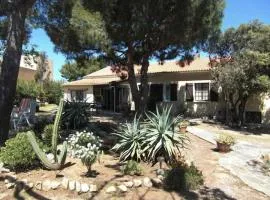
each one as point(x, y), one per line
point(183, 178)
point(132, 168)
point(47, 135)
point(75, 114)
point(18, 153)
point(131, 138)
point(53, 91)
point(161, 139)
point(226, 139)
point(85, 146)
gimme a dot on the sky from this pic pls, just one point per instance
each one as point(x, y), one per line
point(236, 12)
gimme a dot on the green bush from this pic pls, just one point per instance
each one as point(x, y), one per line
point(47, 135)
point(132, 168)
point(18, 154)
point(53, 91)
point(183, 178)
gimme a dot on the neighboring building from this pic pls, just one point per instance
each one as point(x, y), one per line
point(29, 67)
point(188, 89)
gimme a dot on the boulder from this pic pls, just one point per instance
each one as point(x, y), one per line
point(147, 182)
point(137, 182)
point(122, 188)
point(128, 184)
point(84, 187)
point(93, 188)
point(64, 183)
point(111, 189)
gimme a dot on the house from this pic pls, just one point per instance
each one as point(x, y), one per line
point(188, 89)
point(29, 66)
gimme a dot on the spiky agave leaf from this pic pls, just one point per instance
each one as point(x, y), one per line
point(131, 137)
point(161, 138)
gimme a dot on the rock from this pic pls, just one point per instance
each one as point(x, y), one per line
point(129, 184)
point(84, 187)
point(38, 185)
point(50, 157)
point(30, 185)
point(137, 182)
point(10, 185)
point(71, 185)
point(93, 188)
point(55, 185)
point(65, 182)
point(6, 181)
point(10, 179)
point(111, 189)
point(24, 181)
point(160, 172)
point(122, 188)
point(160, 177)
point(147, 182)
point(4, 170)
point(156, 182)
point(78, 186)
point(46, 185)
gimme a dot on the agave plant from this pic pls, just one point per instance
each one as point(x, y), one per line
point(162, 140)
point(131, 139)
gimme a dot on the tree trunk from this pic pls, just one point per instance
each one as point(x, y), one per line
point(241, 110)
point(10, 66)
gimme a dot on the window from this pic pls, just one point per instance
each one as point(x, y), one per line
point(201, 91)
point(189, 92)
point(77, 95)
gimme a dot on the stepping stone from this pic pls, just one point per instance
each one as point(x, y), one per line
point(84, 187)
point(122, 188)
point(129, 184)
point(111, 189)
point(147, 182)
point(137, 182)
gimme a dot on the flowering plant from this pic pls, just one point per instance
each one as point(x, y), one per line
point(85, 146)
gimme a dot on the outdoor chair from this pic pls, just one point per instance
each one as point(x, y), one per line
point(23, 115)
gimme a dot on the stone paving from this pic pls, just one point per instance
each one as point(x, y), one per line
point(243, 162)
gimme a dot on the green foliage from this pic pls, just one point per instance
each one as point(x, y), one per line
point(47, 135)
point(28, 89)
point(242, 68)
point(75, 114)
point(183, 178)
point(161, 139)
point(17, 154)
point(59, 160)
point(131, 140)
point(76, 70)
point(226, 139)
point(53, 91)
point(132, 168)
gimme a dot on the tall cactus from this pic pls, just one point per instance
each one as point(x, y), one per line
point(59, 160)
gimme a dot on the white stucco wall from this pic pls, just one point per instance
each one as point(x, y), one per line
point(89, 95)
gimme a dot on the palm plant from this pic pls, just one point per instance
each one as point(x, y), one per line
point(131, 139)
point(161, 140)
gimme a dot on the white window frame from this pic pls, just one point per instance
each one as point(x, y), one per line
point(201, 81)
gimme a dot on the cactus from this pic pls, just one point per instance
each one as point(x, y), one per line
point(59, 160)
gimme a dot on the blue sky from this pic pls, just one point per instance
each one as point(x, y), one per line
point(236, 13)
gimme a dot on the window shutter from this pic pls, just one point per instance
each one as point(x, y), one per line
point(173, 92)
point(189, 92)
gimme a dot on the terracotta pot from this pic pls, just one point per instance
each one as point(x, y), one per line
point(183, 129)
point(224, 148)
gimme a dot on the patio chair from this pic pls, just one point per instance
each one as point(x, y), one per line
point(23, 114)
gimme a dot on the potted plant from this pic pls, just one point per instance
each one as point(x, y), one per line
point(183, 126)
point(224, 143)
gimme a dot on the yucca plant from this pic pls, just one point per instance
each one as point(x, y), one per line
point(131, 139)
point(75, 114)
point(162, 140)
